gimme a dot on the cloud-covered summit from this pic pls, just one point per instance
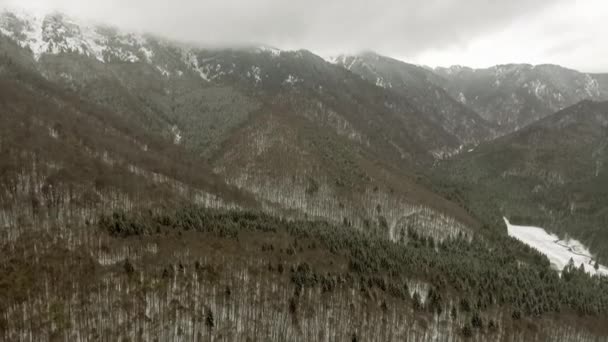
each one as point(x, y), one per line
point(436, 32)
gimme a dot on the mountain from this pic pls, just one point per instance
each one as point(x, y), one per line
point(420, 86)
point(516, 95)
point(155, 190)
point(302, 135)
point(551, 173)
point(66, 160)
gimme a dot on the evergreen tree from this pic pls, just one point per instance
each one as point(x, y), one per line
point(128, 267)
point(417, 302)
point(209, 320)
point(476, 321)
point(492, 326)
point(467, 331)
point(454, 312)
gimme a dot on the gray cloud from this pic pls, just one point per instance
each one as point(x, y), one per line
point(403, 28)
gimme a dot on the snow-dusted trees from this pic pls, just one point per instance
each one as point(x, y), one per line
point(195, 274)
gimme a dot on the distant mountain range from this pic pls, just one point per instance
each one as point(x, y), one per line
point(516, 95)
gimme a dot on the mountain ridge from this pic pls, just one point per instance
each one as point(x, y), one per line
point(516, 95)
point(246, 110)
point(419, 85)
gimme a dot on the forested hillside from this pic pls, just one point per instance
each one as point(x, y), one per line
point(305, 137)
point(423, 88)
point(193, 273)
point(67, 160)
point(551, 174)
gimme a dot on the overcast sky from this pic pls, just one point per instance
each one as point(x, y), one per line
point(477, 33)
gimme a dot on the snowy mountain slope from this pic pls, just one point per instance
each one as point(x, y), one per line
point(55, 33)
point(559, 251)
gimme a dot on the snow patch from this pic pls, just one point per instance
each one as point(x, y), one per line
point(163, 71)
point(592, 88)
point(52, 33)
point(53, 133)
point(380, 82)
point(272, 51)
point(192, 60)
point(126, 56)
point(352, 63)
point(331, 59)
point(177, 135)
point(143, 42)
point(462, 98)
point(55, 34)
point(255, 73)
point(558, 251)
point(537, 88)
point(291, 79)
point(6, 32)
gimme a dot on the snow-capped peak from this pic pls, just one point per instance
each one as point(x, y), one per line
point(53, 33)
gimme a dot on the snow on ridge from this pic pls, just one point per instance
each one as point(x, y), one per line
point(453, 69)
point(273, 51)
point(330, 59)
point(55, 33)
point(334, 59)
point(559, 252)
point(345, 61)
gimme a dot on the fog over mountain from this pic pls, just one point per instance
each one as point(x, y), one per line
point(475, 33)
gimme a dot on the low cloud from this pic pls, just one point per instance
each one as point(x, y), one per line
point(407, 29)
